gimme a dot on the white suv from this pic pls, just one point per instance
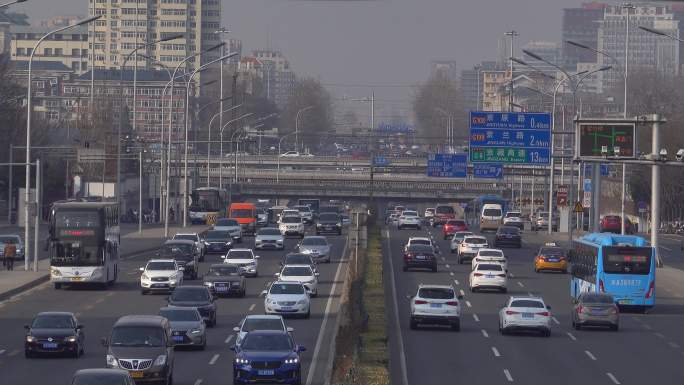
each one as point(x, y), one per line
point(468, 248)
point(287, 298)
point(525, 313)
point(513, 218)
point(409, 218)
point(292, 225)
point(244, 259)
point(437, 305)
point(488, 275)
point(160, 275)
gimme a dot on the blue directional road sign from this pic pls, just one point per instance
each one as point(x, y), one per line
point(447, 165)
point(510, 137)
point(488, 170)
point(380, 161)
point(605, 170)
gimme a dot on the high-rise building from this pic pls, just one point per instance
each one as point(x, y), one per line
point(444, 68)
point(126, 24)
point(7, 21)
point(471, 82)
point(581, 25)
point(547, 50)
point(278, 77)
point(70, 47)
point(646, 51)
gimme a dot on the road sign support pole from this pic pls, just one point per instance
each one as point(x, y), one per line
point(655, 186)
point(595, 197)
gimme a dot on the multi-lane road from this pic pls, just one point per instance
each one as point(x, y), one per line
point(648, 349)
point(99, 309)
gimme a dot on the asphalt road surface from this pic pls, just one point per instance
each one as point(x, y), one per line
point(99, 309)
point(648, 349)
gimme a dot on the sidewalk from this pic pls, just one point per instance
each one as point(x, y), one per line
point(17, 281)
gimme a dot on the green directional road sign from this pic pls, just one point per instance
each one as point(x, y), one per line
point(504, 155)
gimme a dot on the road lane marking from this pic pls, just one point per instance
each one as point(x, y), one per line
point(476, 318)
point(199, 381)
point(230, 337)
point(456, 281)
point(468, 304)
point(588, 353)
point(462, 292)
point(508, 375)
point(328, 306)
point(214, 359)
point(13, 353)
point(252, 307)
point(529, 293)
point(659, 335)
point(666, 248)
point(99, 300)
point(2, 351)
point(511, 275)
point(672, 344)
point(647, 327)
point(571, 336)
point(496, 352)
point(637, 319)
point(447, 266)
point(485, 334)
point(612, 378)
point(77, 314)
point(521, 284)
point(451, 273)
point(88, 307)
point(555, 320)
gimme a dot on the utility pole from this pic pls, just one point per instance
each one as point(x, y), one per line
point(512, 35)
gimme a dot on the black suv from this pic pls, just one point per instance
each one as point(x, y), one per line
point(142, 345)
point(196, 296)
point(185, 254)
point(329, 223)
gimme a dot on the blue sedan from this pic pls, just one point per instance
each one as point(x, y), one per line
point(267, 356)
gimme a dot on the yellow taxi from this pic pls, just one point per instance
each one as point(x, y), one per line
point(550, 257)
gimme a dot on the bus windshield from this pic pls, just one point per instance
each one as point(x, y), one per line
point(242, 213)
point(627, 260)
point(77, 219)
point(205, 200)
point(75, 253)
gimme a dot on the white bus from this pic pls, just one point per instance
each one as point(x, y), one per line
point(83, 244)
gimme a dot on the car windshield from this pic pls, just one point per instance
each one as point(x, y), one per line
point(489, 267)
point(303, 209)
point(455, 223)
point(194, 295)
point(423, 249)
point(436, 293)
point(100, 379)
point(298, 259)
point(177, 249)
point(216, 235)
point(269, 231)
point(311, 241)
point(137, 336)
point(527, 303)
point(240, 254)
point(252, 324)
point(160, 266)
point(592, 298)
point(182, 315)
point(286, 288)
point(491, 212)
point(53, 322)
point(187, 237)
point(9, 238)
point(291, 220)
point(328, 217)
point(268, 342)
point(410, 214)
point(296, 271)
point(490, 253)
point(221, 271)
point(475, 241)
point(444, 210)
point(227, 223)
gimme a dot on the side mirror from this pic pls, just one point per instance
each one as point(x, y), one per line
point(232, 347)
point(264, 292)
point(301, 349)
point(167, 299)
point(276, 275)
point(79, 327)
point(27, 327)
point(256, 257)
point(104, 342)
point(548, 307)
point(142, 269)
point(181, 268)
point(169, 344)
point(317, 274)
point(289, 329)
point(223, 257)
point(236, 329)
point(460, 296)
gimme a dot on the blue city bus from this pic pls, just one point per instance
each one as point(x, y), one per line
point(621, 265)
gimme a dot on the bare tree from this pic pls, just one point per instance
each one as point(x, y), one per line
point(439, 93)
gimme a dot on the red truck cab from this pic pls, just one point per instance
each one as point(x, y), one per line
point(246, 215)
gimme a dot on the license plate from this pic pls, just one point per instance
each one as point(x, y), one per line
point(266, 372)
point(489, 276)
point(527, 315)
point(553, 260)
point(221, 288)
point(136, 374)
point(286, 308)
point(328, 227)
point(435, 305)
point(625, 301)
point(49, 345)
point(159, 285)
point(76, 279)
point(420, 257)
point(178, 338)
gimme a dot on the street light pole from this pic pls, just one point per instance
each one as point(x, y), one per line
point(221, 150)
point(279, 153)
point(512, 35)
point(11, 3)
point(220, 115)
point(297, 125)
point(27, 192)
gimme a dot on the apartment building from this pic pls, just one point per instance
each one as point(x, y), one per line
point(70, 47)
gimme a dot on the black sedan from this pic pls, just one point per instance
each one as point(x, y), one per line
point(223, 279)
point(218, 241)
point(196, 296)
point(508, 236)
point(54, 333)
point(420, 257)
point(329, 223)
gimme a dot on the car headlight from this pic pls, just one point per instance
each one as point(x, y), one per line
point(306, 251)
point(206, 243)
point(312, 280)
point(55, 272)
point(195, 331)
point(209, 284)
point(241, 361)
point(111, 361)
point(161, 360)
point(144, 276)
point(293, 360)
point(301, 302)
point(30, 339)
point(339, 224)
point(71, 339)
point(279, 241)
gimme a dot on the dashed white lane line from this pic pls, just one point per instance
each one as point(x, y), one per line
point(647, 327)
point(496, 352)
point(555, 320)
point(588, 353)
point(456, 281)
point(199, 381)
point(252, 307)
point(476, 318)
point(666, 248)
point(99, 300)
point(673, 345)
point(508, 375)
point(511, 275)
point(214, 359)
point(462, 292)
point(469, 304)
point(2, 351)
point(612, 378)
point(659, 335)
point(529, 294)
point(78, 315)
point(13, 353)
point(230, 337)
point(451, 273)
point(485, 334)
point(521, 284)
point(447, 266)
point(572, 337)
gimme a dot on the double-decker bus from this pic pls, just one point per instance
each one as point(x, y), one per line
point(207, 205)
point(621, 265)
point(83, 244)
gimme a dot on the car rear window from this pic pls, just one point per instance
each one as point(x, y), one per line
point(508, 230)
point(420, 242)
point(444, 210)
point(527, 303)
point(597, 298)
point(489, 267)
point(292, 220)
point(227, 222)
point(328, 217)
point(268, 231)
point(490, 253)
point(436, 293)
point(551, 251)
point(476, 241)
point(410, 214)
point(455, 223)
point(420, 249)
point(491, 212)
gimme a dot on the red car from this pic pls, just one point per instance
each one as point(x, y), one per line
point(611, 224)
point(452, 226)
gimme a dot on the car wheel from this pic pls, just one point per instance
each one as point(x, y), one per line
point(58, 285)
point(399, 227)
point(577, 325)
point(434, 268)
point(239, 240)
point(169, 381)
point(413, 324)
point(547, 333)
point(28, 354)
point(405, 268)
point(504, 290)
point(615, 327)
point(318, 233)
point(445, 237)
point(339, 232)
point(308, 314)
point(460, 261)
point(143, 291)
point(76, 352)
point(456, 326)
point(243, 293)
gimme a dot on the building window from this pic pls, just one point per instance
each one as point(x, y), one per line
point(75, 65)
point(59, 52)
point(47, 52)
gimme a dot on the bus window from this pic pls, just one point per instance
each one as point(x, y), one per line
point(627, 264)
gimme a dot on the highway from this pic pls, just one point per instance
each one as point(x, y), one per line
point(99, 309)
point(646, 350)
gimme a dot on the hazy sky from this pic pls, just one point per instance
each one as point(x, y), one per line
point(383, 42)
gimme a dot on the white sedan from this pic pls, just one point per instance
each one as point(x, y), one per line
point(409, 218)
point(488, 275)
point(287, 298)
point(300, 273)
point(255, 322)
point(490, 255)
point(525, 313)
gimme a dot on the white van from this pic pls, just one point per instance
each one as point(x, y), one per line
point(491, 217)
